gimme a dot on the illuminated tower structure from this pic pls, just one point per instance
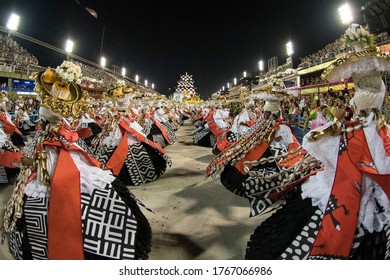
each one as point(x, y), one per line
point(185, 89)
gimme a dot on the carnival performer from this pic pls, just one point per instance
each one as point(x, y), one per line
point(343, 211)
point(202, 135)
point(245, 119)
point(9, 159)
point(184, 112)
point(240, 125)
point(7, 125)
point(269, 139)
point(22, 121)
point(214, 126)
point(162, 123)
point(223, 122)
point(86, 126)
point(175, 118)
point(160, 131)
point(58, 209)
point(124, 148)
point(198, 117)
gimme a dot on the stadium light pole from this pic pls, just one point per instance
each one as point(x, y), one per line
point(261, 66)
point(69, 48)
point(13, 23)
point(289, 48)
point(103, 61)
point(290, 52)
point(345, 13)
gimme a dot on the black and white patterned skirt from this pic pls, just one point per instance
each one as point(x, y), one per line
point(202, 137)
point(103, 236)
point(143, 164)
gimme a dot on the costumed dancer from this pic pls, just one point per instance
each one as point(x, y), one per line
point(220, 126)
point(240, 126)
point(162, 131)
point(344, 210)
point(59, 206)
point(22, 121)
point(144, 118)
point(9, 159)
point(7, 125)
point(202, 135)
point(198, 117)
point(124, 148)
point(244, 119)
point(270, 148)
point(86, 126)
point(184, 112)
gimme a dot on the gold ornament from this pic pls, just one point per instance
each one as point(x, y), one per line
point(70, 104)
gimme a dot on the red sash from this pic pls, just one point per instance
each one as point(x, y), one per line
point(65, 241)
point(8, 159)
point(257, 152)
point(9, 127)
point(118, 158)
point(65, 237)
point(336, 235)
point(162, 128)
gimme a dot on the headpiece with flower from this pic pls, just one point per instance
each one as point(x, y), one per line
point(69, 72)
point(59, 89)
point(120, 90)
point(119, 83)
point(365, 66)
point(358, 37)
point(276, 84)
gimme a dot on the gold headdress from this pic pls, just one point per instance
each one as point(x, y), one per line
point(58, 90)
point(273, 90)
point(118, 90)
point(120, 93)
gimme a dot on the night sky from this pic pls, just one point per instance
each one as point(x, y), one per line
point(213, 40)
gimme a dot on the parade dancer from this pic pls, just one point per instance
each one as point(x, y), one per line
point(343, 211)
point(124, 148)
point(58, 209)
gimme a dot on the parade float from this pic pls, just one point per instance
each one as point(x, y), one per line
point(186, 91)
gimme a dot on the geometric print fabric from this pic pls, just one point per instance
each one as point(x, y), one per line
point(109, 226)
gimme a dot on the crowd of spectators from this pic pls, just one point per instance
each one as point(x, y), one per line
point(97, 73)
point(101, 77)
point(313, 110)
point(28, 103)
point(16, 58)
point(21, 86)
point(327, 53)
point(311, 81)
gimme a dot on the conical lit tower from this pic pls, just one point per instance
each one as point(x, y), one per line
point(185, 87)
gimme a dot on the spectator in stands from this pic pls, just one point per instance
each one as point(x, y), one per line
point(341, 96)
point(320, 118)
point(330, 104)
point(331, 92)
